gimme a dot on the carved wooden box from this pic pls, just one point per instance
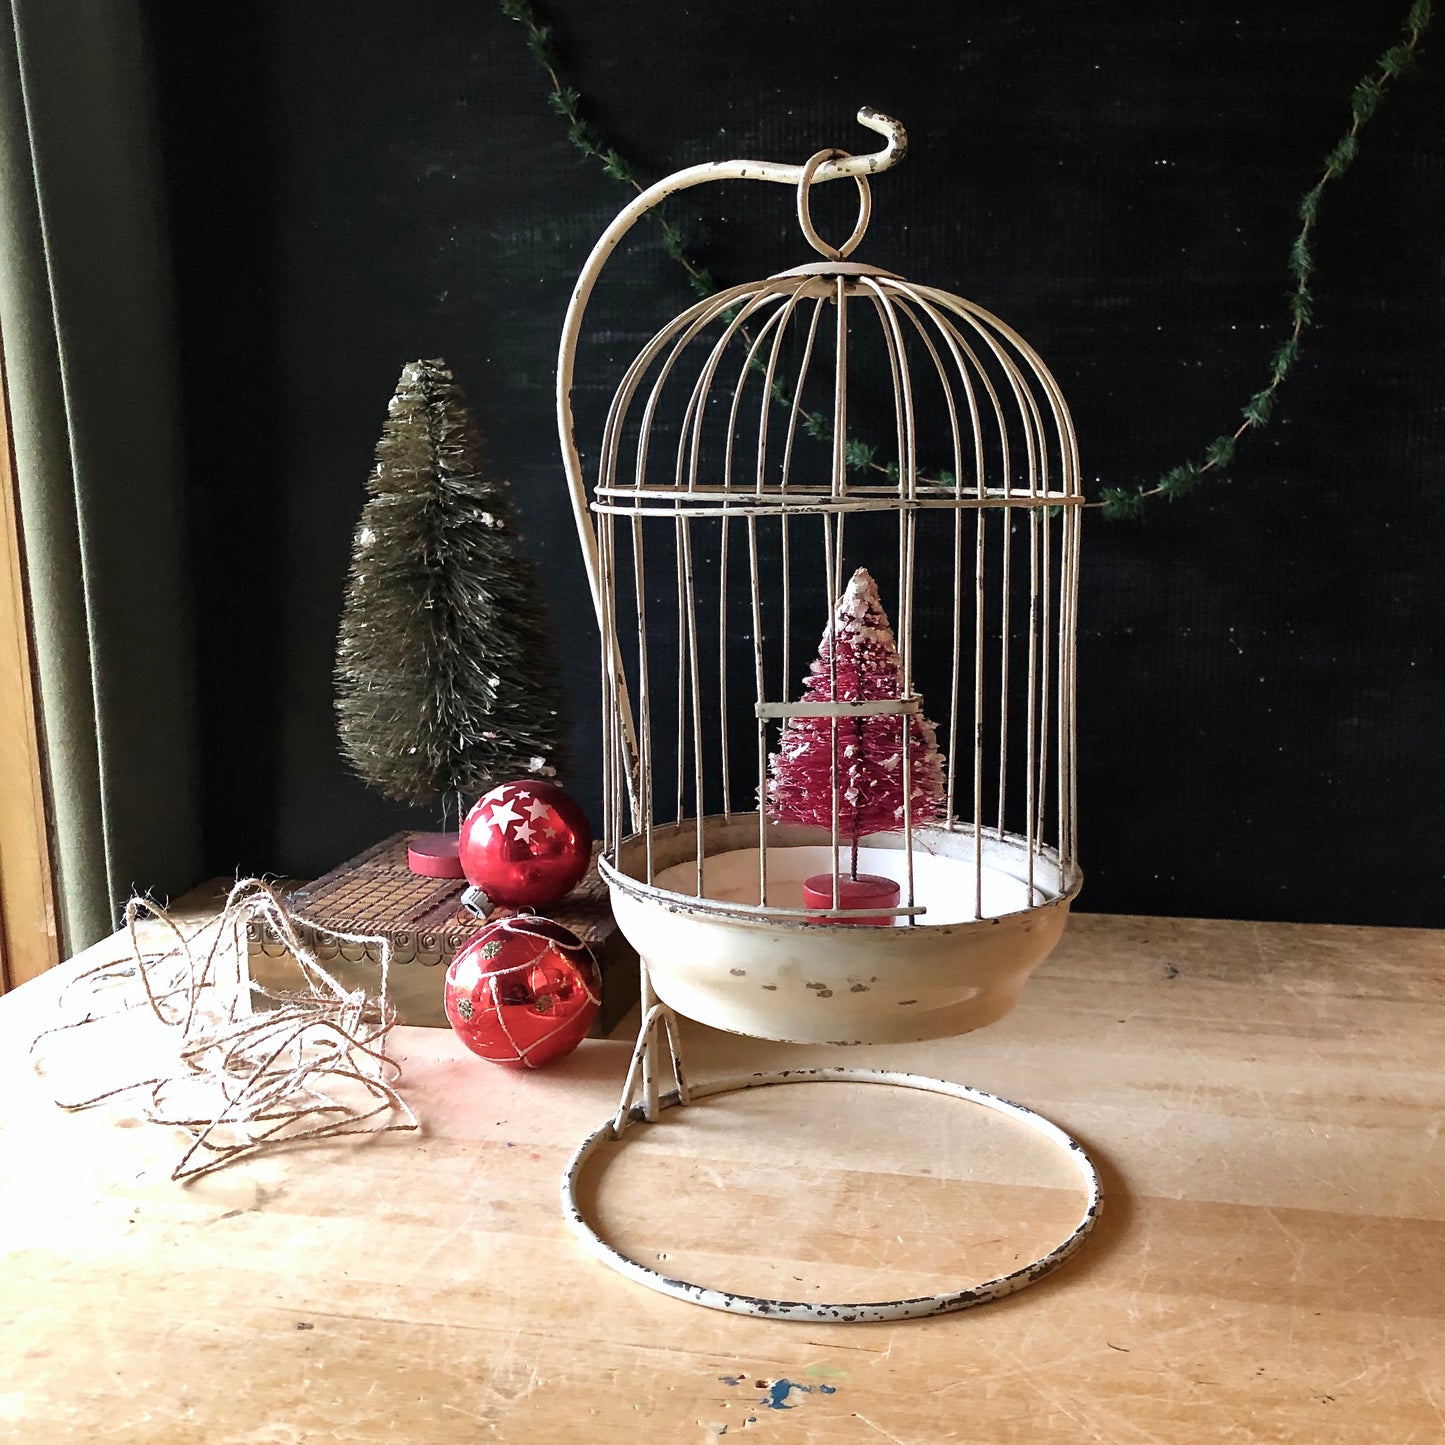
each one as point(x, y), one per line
point(426, 922)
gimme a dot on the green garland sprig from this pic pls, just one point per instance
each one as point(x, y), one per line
point(566, 101)
point(1118, 503)
point(1399, 59)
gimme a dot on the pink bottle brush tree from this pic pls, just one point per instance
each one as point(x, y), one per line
point(870, 749)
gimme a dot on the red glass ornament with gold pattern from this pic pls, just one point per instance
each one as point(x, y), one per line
point(523, 992)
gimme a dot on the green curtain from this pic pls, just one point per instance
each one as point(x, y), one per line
point(86, 323)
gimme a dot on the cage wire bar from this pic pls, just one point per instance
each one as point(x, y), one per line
point(700, 467)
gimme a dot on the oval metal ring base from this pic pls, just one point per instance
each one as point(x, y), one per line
point(872, 1311)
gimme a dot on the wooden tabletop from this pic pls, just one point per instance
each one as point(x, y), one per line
point(1264, 1101)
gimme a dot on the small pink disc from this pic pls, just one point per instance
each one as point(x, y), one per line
point(435, 855)
point(867, 890)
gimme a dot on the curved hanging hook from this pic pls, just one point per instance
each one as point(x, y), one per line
point(816, 170)
point(841, 167)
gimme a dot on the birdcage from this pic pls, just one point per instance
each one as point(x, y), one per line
point(814, 859)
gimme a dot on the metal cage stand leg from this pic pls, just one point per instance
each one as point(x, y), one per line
point(643, 1102)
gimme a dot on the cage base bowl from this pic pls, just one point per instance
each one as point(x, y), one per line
point(800, 980)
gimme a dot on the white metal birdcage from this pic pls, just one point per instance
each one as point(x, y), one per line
point(734, 496)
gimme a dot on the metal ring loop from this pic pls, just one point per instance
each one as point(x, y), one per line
point(863, 1312)
point(805, 217)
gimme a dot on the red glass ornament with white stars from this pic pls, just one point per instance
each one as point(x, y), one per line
point(525, 844)
point(523, 992)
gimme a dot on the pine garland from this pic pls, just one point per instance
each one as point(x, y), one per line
point(1123, 503)
point(566, 101)
point(1118, 503)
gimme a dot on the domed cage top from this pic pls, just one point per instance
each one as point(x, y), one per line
point(776, 462)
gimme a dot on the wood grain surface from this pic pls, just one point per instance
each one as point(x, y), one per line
point(1265, 1103)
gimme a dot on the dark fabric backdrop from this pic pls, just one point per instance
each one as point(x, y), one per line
point(85, 308)
point(351, 186)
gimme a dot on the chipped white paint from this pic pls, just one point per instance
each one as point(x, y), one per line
point(775, 972)
point(859, 1312)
